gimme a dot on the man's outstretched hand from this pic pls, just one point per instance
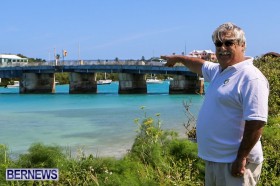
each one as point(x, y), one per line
point(170, 60)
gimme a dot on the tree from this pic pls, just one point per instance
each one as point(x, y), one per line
point(31, 59)
point(270, 67)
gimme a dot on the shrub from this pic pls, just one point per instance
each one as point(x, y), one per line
point(174, 161)
point(184, 156)
point(270, 67)
point(5, 162)
point(42, 156)
point(271, 146)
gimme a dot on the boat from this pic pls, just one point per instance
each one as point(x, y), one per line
point(15, 85)
point(104, 81)
point(153, 81)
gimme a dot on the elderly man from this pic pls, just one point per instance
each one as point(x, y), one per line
point(234, 111)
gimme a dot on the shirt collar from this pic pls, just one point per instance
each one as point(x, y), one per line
point(238, 66)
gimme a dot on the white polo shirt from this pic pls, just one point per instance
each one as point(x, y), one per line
point(238, 93)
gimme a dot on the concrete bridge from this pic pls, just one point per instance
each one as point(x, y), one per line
point(40, 77)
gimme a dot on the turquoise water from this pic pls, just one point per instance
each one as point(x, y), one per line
point(101, 124)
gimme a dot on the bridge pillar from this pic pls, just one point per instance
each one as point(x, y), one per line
point(132, 83)
point(186, 85)
point(37, 83)
point(82, 83)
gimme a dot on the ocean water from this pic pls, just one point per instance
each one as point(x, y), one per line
point(101, 124)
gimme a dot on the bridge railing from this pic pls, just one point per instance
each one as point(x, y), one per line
point(100, 62)
point(81, 62)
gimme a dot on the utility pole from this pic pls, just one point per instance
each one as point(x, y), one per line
point(55, 57)
point(63, 56)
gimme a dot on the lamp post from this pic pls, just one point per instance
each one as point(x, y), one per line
point(64, 54)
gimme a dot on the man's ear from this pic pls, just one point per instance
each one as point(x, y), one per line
point(243, 45)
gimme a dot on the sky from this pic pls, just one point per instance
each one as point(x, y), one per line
point(132, 29)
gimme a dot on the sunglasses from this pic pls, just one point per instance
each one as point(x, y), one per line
point(227, 43)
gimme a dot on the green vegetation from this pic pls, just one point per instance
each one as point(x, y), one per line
point(271, 147)
point(62, 78)
point(32, 60)
point(270, 67)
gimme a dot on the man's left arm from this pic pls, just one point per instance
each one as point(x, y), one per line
point(252, 133)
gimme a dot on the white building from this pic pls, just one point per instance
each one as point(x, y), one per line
point(10, 59)
point(204, 54)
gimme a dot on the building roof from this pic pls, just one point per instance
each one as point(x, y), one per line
point(201, 51)
point(10, 56)
point(209, 51)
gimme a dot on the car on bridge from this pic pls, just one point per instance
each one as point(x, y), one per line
point(155, 61)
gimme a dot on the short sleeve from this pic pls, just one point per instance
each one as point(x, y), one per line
point(209, 70)
point(255, 100)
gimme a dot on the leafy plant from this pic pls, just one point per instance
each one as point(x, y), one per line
point(271, 146)
point(270, 67)
point(5, 161)
point(174, 160)
point(42, 156)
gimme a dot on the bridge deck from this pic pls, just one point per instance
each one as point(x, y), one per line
point(11, 72)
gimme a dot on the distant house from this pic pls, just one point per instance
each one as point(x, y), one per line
point(208, 55)
point(10, 59)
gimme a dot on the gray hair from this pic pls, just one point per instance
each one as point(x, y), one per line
point(237, 31)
